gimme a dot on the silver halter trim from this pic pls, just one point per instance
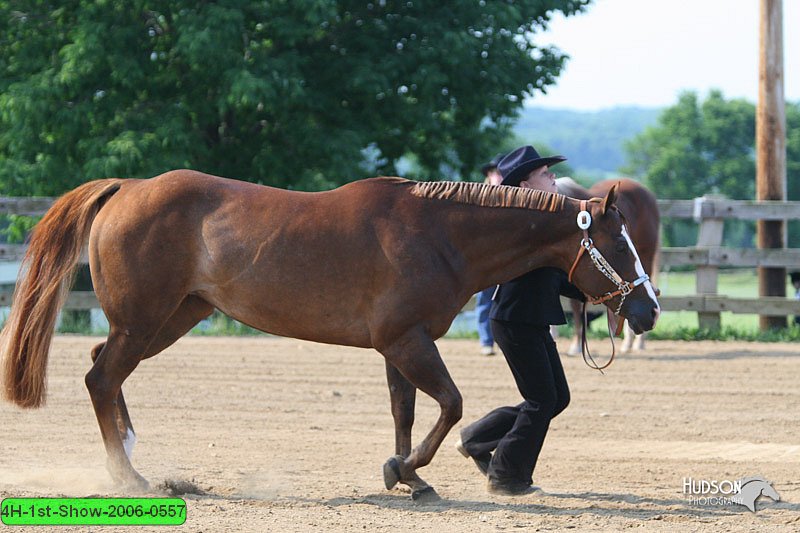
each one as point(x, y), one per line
point(624, 288)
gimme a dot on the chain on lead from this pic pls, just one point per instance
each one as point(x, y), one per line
point(608, 271)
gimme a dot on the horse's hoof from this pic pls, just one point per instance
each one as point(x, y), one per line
point(129, 481)
point(135, 484)
point(391, 472)
point(426, 495)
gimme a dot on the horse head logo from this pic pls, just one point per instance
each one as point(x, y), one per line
point(752, 488)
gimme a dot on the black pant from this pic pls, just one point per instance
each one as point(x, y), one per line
point(516, 434)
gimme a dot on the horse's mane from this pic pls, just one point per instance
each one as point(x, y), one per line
point(489, 195)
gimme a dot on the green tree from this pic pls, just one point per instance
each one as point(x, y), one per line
point(698, 148)
point(305, 94)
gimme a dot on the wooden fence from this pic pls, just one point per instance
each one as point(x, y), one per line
point(33, 206)
point(707, 256)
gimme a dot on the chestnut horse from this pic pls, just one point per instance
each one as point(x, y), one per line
point(640, 209)
point(385, 263)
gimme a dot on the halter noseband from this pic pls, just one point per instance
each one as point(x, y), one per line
point(624, 288)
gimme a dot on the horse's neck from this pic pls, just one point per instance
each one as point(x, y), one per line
point(509, 242)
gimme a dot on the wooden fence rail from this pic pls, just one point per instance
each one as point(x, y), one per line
point(77, 300)
point(714, 207)
point(708, 256)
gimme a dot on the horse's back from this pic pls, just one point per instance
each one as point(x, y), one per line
point(195, 195)
point(640, 208)
point(572, 188)
point(631, 194)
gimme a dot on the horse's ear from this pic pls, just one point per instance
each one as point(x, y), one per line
point(610, 198)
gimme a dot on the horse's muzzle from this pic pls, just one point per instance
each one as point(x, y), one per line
point(642, 316)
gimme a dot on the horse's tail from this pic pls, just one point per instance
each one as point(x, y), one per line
point(44, 280)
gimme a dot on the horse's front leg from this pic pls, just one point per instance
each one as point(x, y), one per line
point(415, 356)
point(632, 342)
point(577, 326)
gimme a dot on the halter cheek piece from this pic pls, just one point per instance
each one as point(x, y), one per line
point(624, 288)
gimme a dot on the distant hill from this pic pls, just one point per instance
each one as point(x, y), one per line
point(591, 140)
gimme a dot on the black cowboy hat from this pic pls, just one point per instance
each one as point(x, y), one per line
point(518, 164)
point(492, 164)
point(794, 276)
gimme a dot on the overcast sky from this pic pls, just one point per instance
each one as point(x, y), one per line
point(645, 52)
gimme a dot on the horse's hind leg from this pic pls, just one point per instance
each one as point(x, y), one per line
point(191, 311)
point(403, 396)
point(124, 424)
point(114, 362)
point(416, 357)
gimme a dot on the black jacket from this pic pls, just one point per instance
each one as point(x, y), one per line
point(533, 298)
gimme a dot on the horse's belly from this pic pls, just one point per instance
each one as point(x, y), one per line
point(300, 317)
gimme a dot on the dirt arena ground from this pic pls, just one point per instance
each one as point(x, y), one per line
point(283, 435)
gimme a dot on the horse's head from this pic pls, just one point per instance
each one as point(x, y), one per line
point(607, 267)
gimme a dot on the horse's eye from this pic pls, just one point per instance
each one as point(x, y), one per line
point(622, 245)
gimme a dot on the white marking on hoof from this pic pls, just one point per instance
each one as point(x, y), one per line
point(128, 442)
point(574, 349)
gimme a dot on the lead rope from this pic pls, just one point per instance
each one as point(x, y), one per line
point(585, 352)
point(587, 355)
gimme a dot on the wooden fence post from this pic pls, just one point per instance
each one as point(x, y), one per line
point(771, 149)
point(709, 236)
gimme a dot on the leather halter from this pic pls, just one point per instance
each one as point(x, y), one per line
point(624, 288)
